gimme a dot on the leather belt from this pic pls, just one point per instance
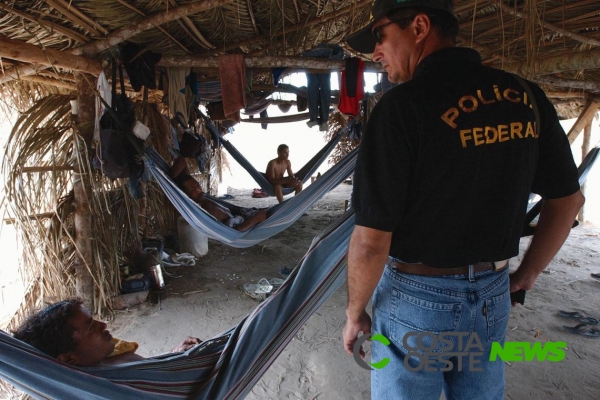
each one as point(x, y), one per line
point(423, 269)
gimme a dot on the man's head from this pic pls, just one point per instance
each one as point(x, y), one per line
point(67, 332)
point(402, 32)
point(192, 188)
point(283, 151)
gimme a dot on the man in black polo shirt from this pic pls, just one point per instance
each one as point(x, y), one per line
point(446, 166)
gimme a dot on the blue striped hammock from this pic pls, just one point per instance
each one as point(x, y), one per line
point(303, 174)
point(280, 216)
point(224, 367)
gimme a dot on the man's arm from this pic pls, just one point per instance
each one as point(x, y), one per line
point(367, 255)
point(179, 167)
point(271, 173)
point(554, 224)
point(289, 169)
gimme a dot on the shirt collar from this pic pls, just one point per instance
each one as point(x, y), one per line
point(447, 59)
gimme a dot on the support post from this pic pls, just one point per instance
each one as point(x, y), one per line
point(585, 149)
point(83, 134)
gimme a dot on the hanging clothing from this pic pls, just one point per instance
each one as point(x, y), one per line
point(139, 64)
point(177, 98)
point(352, 89)
point(106, 94)
point(232, 71)
point(319, 97)
point(319, 85)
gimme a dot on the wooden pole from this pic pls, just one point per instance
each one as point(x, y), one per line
point(19, 50)
point(586, 116)
point(84, 131)
point(585, 149)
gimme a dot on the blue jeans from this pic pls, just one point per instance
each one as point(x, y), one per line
point(319, 96)
point(411, 304)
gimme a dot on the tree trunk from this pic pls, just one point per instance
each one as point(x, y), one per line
point(83, 134)
point(585, 149)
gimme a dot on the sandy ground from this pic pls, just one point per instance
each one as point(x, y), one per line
point(206, 299)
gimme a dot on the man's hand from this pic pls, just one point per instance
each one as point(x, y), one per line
point(187, 344)
point(351, 330)
point(521, 280)
point(292, 180)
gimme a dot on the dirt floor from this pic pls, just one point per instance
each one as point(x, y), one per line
point(206, 299)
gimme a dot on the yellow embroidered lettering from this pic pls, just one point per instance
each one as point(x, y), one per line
point(507, 96)
point(449, 117)
point(503, 133)
point(497, 93)
point(478, 136)
point(515, 129)
point(465, 134)
point(463, 106)
point(529, 131)
point(484, 101)
point(488, 138)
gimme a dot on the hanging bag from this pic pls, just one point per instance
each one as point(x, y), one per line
point(116, 154)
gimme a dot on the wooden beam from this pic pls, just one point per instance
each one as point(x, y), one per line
point(153, 21)
point(83, 127)
point(78, 37)
point(47, 168)
point(49, 81)
point(585, 149)
point(293, 28)
point(568, 83)
point(77, 17)
point(9, 221)
point(264, 62)
point(120, 35)
point(566, 95)
point(565, 62)
point(575, 36)
point(164, 32)
point(21, 51)
point(586, 116)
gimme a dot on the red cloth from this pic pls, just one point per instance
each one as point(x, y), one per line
point(232, 71)
point(350, 105)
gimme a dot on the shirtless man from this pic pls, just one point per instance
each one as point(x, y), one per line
point(275, 170)
point(181, 175)
point(66, 331)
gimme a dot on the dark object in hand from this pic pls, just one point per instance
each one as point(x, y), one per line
point(518, 296)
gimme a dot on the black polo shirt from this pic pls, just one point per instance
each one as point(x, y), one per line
point(448, 161)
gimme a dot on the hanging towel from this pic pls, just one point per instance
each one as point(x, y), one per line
point(177, 100)
point(232, 70)
point(352, 90)
point(105, 93)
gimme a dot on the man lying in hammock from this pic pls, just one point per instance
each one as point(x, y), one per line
point(67, 332)
point(275, 170)
point(180, 174)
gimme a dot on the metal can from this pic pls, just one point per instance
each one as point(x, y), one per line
point(159, 281)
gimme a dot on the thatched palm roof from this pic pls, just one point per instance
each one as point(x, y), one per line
point(552, 42)
point(45, 45)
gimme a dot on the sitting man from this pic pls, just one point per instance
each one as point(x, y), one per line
point(181, 175)
point(275, 170)
point(67, 332)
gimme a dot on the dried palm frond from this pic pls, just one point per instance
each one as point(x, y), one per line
point(39, 193)
point(338, 121)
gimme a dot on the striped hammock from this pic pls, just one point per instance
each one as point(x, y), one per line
point(303, 174)
point(280, 216)
point(224, 367)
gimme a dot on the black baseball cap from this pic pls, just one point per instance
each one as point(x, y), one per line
point(363, 40)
